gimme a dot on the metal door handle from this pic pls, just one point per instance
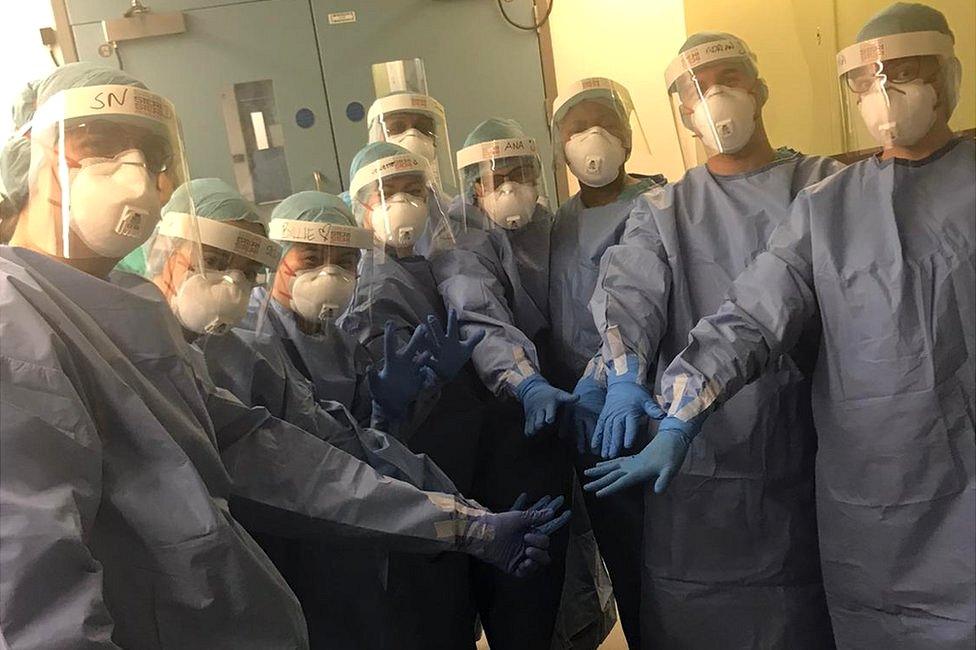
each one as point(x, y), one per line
point(319, 179)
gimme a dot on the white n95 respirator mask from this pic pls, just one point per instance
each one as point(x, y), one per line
point(400, 220)
point(725, 119)
point(595, 156)
point(416, 142)
point(212, 302)
point(899, 114)
point(114, 203)
point(511, 204)
point(322, 293)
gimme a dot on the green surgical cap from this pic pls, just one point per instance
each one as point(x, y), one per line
point(72, 75)
point(214, 199)
point(313, 206)
point(701, 38)
point(591, 94)
point(902, 18)
point(14, 165)
point(373, 152)
point(494, 128)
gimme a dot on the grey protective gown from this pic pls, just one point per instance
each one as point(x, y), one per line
point(736, 534)
point(883, 254)
point(118, 458)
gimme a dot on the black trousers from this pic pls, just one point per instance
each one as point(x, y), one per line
point(519, 613)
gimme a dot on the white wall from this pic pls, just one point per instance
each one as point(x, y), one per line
point(23, 56)
point(632, 42)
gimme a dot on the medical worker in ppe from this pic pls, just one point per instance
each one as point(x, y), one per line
point(881, 255)
point(406, 115)
point(595, 130)
point(496, 278)
point(120, 457)
point(312, 286)
point(339, 586)
point(394, 194)
point(742, 509)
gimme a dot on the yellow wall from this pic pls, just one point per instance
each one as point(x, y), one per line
point(630, 41)
point(796, 41)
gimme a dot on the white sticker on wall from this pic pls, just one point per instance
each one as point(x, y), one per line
point(341, 17)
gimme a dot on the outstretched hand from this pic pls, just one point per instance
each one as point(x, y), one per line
point(660, 460)
point(401, 378)
point(541, 402)
point(448, 351)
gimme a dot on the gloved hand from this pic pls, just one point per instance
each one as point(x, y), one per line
point(582, 416)
point(623, 414)
point(517, 541)
point(395, 386)
point(540, 401)
point(448, 353)
point(661, 458)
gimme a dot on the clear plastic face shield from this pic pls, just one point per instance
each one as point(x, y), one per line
point(716, 94)
point(318, 272)
point(104, 159)
point(595, 130)
point(404, 76)
point(209, 294)
point(897, 87)
point(398, 199)
point(504, 180)
point(418, 124)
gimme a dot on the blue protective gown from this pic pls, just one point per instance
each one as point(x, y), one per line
point(497, 281)
point(342, 589)
point(580, 235)
point(883, 255)
point(119, 459)
point(404, 291)
point(736, 531)
point(334, 361)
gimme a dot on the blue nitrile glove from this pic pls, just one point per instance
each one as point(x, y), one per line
point(582, 415)
point(517, 541)
point(623, 414)
point(395, 386)
point(660, 459)
point(540, 402)
point(448, 353)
